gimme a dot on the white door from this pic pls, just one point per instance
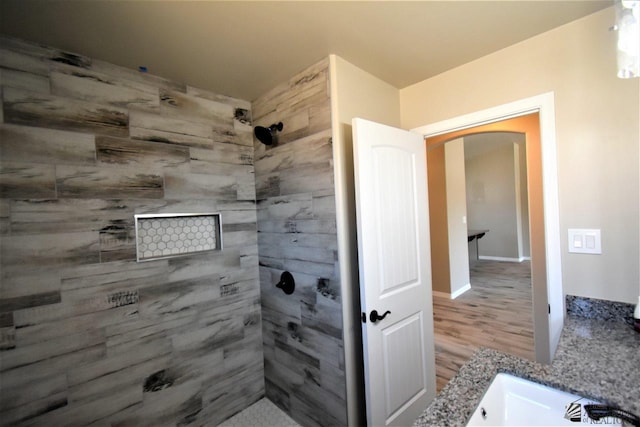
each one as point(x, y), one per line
point(395, 272)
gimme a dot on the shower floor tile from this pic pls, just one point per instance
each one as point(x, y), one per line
point(263, 413)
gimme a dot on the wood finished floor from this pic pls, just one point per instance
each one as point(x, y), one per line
point(496, 313)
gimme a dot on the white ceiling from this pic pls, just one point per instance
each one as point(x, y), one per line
point(243, 49)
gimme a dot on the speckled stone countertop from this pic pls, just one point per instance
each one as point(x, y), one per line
point(597, 359)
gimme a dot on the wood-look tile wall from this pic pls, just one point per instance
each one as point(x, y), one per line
point(303, 346)
point(86, 333)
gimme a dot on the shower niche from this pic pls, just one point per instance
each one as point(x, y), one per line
point(175, 234)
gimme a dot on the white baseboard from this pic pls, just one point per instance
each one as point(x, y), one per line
point(461, 291)
point(454, 295)
point(499, 258)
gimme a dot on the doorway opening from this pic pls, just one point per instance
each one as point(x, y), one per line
point(478, 191)
point(529, 124)
point(546, 265)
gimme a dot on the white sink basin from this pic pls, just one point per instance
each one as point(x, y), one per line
point(513, 401)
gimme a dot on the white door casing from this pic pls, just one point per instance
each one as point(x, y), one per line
point(395, 272)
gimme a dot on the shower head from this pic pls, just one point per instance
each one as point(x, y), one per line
point(268, 136)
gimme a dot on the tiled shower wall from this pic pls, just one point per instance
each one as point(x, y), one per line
point(303, 347)
point(86, 333)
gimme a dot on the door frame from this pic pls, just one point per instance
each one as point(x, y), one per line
point(544, 105)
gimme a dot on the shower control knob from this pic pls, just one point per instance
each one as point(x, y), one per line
point(286, 283)
point(374, 316)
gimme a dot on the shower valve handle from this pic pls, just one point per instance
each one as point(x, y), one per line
point(374, 316)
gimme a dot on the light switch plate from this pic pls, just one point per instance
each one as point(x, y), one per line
point(585, 241)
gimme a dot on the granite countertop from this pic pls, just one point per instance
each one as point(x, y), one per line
point(596, 359)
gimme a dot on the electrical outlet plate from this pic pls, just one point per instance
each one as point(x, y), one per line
point(585, 241)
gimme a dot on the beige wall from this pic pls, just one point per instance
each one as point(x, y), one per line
point(456, 211)
point(362, 95)
point(522, 206)
point(354, 93)
point(491, 196)
point(597, 131)
point(438, 219)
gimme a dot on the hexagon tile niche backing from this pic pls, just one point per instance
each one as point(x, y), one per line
point(169, 235)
